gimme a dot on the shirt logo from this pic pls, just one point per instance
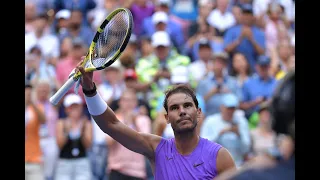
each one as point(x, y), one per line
point(169, 158)
point(196, 165)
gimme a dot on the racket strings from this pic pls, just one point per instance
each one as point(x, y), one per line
point(111, 39)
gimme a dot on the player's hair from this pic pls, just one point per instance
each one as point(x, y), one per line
point(181, 88)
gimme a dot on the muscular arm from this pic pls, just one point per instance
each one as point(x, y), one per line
point(224, 161)
point(141, 143)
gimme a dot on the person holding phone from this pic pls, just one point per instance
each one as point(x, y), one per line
point(217, 83)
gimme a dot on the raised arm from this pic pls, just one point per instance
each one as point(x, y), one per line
point(105, 118)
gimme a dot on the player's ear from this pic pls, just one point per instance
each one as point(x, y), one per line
point(167, 118)
point(199, 112)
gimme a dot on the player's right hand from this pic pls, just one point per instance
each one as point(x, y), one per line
point(86, 77)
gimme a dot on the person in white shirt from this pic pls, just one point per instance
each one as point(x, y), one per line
point(48, 43)
point(200, 67)
point(220, 18)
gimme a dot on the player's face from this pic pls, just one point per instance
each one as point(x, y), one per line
point(182, 113)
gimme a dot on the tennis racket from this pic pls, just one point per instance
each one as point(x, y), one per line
point(107, 45)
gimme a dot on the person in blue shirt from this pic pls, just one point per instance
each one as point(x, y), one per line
point(258, 88)
point(82, 5)
point(164, 20)
point(75, 29)
point(228, 128)
point(245, 37)
point(216, 84)
point(268, 167)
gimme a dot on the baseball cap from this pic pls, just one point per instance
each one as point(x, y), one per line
point(221, 55)
point(204, 42)
point(133, 39)
point(130, 74)
point(159, 16)
point(263, 60)
point(247, 8)
point(160, 38)
point(230, 101)
point(71, 99)
point(179, 74)
point(63, 14)
point(115, 66)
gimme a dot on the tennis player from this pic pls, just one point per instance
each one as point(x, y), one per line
point(186, 156)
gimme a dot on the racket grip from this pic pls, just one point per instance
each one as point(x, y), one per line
point(62, 91)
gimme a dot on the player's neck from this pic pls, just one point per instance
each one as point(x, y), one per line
point(186, 143)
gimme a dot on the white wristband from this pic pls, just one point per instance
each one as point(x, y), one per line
point(96, 105)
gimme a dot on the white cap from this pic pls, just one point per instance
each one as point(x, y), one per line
point(159, 16)
point(203, 2)
point(160, 38)
point(64, 13)
point(72, 99)
point(180, 74)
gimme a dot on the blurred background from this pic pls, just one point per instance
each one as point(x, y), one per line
point(232, 53)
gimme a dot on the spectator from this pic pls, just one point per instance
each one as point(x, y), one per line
point(156, 69)
point(48, 43)
point(98, 14)
point(216, 84)
point(84, 6)
point(98, 153)
point(132, 48)
point(30, 15)
point(48, 129)
point(146, 47)
point(263, 138)
point(258, 88)
point(203, 65)
point(74, 138)
point(205, 7)
point(237, 13)
point(274, 24)
point(204, 32)
point(140, 9)
point(34, 117)
point(131, 82)
point(76, 29)
point(65, 66)
point(280, 57)
point(228, 129)
point(245, 37)
point(220, 18)
point(161, 20)
point(65, 47)
point(240, 68)
point(41, 70)
point(112, 84)
point(123, 163)
point(62, 17)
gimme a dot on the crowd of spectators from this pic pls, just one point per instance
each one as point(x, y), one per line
point(232, 53)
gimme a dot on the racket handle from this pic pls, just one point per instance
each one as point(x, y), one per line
point(62, 91)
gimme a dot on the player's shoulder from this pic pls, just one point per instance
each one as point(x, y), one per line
point(210, 146)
